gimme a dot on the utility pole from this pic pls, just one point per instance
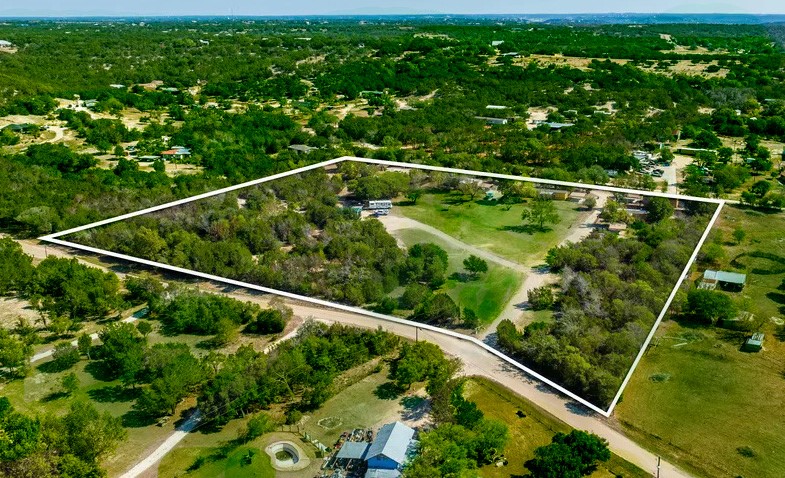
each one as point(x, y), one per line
point(416, 334)
point(658, 467)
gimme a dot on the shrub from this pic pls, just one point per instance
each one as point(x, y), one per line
point(541, 298)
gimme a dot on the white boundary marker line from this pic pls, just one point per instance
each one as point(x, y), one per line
point(684, 275)
point(53, 239)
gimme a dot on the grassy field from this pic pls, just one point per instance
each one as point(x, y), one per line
point(178, 461)
point(526, 434)
point(696, 398)
point(358, 406)
point(486, 295)
point(492, 226)
point(39, 393)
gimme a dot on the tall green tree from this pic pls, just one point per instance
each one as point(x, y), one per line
point(539, 212)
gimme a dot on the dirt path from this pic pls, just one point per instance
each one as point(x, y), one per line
point(539, 275)
point(395, 223)
point(181, 432)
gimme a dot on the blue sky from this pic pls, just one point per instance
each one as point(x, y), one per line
point(322, 7)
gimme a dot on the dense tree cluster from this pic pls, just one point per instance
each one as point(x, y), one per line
point(299, 371)
point(292, 235)
point(571, 455)
point(67, 446)
point(611, 293)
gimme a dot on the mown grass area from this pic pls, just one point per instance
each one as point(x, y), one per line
point(534, 429)
point(183, 462)
point(362, 405)
point(486, 295)
point(696, 398)
point(492, 226)
point(40, 393)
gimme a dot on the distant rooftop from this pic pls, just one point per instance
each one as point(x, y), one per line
point(554, 125)
point(302, 148)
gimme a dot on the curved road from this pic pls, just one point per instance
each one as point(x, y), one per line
point(477, 361)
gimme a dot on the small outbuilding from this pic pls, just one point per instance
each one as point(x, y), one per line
point(754, 343)
point(492, 121)
point(732, 281)
point(352, 450)
point(302, 148)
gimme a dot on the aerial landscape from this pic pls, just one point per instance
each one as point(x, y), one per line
point(427, 241)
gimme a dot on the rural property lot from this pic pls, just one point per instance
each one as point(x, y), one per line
point(306, 234)
point(692, 395)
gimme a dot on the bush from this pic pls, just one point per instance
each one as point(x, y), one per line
point(293, 416)
point(541, 298)
point(256, 427)
point(268, 321)
point(386, 305)
point(65, 356)
point(414, 295)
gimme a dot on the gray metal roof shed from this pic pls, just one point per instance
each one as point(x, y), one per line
point(352, 450)
point(392, 441)
point(722, 276)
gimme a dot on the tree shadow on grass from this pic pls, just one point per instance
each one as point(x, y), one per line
point(780, 333)
point(137, 419)
point(414, 407)
point(777, 297)
point(388, 391)
point(462, 277)
point(99, 371)
point(53, 366)
point(529, 229)
point(114, 393)
point(55, 396)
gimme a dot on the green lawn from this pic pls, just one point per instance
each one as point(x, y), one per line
point(37, 393)
point(487, 225)
point(486, 295)
point(696, 398)
point(526, 434)
point(357, 406)
point(233, 466)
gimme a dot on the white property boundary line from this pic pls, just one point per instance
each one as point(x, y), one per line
point(53, 238)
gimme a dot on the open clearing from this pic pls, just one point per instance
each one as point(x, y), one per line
point(363, 406)
point(696, 398)
point(487, 295)
point(492, 226)
point(527, 433)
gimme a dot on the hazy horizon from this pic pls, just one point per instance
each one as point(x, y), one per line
point(56, 8)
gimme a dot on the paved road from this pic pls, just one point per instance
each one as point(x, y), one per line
point(173, 439)
point(477, 361)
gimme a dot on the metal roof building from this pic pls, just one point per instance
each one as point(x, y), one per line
point(302, 148)
point(725, 279)
point(353, 450)
point(388, 451)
